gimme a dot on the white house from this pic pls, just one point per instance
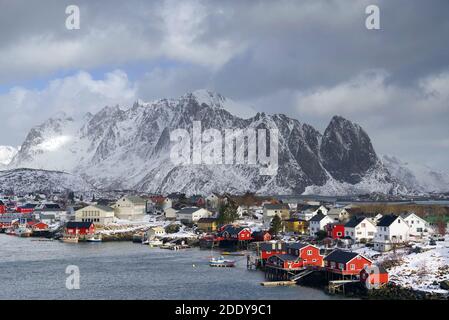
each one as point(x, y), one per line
point(309, 211)
point(54, 208)
point(418, 226)
point(338, 214)
point(130, 208)
point(358, 228)
point(271, 210)
point(97, 214)
point(213, 201)
point(192, 214)
point(170, 214)
point(318, 222)
point(391, 230)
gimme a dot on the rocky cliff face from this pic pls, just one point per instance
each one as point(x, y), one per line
point(130, 148)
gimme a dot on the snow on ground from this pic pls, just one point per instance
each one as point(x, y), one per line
point(425, 270)
point(421, 271)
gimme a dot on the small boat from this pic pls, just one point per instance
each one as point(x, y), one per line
point(23, 232)
point(221, 262)
point(94, 238)
point(69, 239)
point(10, 232)
point(155, 243)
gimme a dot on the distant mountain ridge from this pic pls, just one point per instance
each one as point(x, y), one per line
point(129, 149)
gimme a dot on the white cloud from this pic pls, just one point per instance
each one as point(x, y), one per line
point(74, 95)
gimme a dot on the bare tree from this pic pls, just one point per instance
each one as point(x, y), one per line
point(441, 226)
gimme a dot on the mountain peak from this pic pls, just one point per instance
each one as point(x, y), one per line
point(210, 98)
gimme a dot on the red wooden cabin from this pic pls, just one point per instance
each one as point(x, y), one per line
point(79, 228)
point(335, 230)
point(267, 250)
point(285, 261)
point(309, 255)
point(231, 232)
point(261, 236)
point(345, 262)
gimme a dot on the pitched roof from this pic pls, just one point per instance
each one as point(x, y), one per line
point(287, 257)
point(297, 245)
point(269, 246)
point(276, 206)
point(207, 220)
point(75, 224)
point(318, 217)
point(233, 230)
point(136, 199)
point(387, 220)
point(189, 210)
point(354, 222)
point(294, 220)
point(341, 256)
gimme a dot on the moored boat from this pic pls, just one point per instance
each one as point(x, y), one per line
point(23, 232)
point(69, 239)
point(221, 262)
point(94, 238)
point(155, 243)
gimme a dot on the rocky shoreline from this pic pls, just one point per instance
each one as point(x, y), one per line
point(357, 290)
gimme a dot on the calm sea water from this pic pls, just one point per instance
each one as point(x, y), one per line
point(123, 270)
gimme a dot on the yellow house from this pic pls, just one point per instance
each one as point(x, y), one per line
point(207, 224)
point(296, 225)
point(271, 210)
point(154, 232)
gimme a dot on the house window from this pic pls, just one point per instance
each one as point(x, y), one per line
point(352, 266)
point(314, 260)
point(309, 252)
point(338, 234)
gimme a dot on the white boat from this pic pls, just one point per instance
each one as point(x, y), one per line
point(221, 262)
point(70, 239)
point(23, 232)
point(155, 243)
point(94, 238)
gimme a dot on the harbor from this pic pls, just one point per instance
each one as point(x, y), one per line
point(123, 270)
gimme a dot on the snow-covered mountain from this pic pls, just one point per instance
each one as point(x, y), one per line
point(31, 180)
point(417, 177)
point(129, 148)
point(7, 153)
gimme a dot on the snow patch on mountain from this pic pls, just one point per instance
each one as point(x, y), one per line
point(416, 176)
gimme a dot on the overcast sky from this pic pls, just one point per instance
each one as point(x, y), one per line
point(307, 59)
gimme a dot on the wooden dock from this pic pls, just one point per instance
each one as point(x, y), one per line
point(277, 283)
point(338, 286)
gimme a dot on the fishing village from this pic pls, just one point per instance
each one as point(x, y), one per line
point(353, 248)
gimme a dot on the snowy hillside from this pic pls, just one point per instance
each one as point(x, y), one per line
point(416, 176)
point(29, 180)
